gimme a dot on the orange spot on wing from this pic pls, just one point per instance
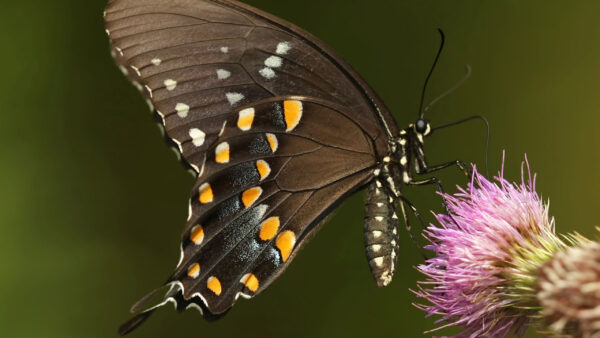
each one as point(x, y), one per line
point(194, 270)
point(285, 243)
point(251, 195)
point(197, 234)
point(250, 281)
point(206, 194)
point(273, 143)
point(263, 169)
point(292, 110)
point(245, 119)
point(268, 228)
point(222, 153)
point(214, 285)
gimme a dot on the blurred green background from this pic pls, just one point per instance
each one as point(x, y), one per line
point(92, 202)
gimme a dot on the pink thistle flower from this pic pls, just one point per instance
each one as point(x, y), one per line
point(487, 252)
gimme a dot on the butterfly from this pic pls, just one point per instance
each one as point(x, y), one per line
point(278, 130)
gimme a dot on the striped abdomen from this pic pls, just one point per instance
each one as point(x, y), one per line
point(381, 234)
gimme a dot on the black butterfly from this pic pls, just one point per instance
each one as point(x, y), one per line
point(278, 129)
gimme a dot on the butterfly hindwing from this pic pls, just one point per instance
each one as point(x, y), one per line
point(255, 204)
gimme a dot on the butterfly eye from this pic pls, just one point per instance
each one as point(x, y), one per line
point(422, 127)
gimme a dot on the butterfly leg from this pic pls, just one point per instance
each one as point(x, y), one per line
point(406, 203)
point(463, 166)
point(440, 188)
point(428, 181)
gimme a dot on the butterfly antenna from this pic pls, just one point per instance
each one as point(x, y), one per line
point(453, 88)
point(437, 57)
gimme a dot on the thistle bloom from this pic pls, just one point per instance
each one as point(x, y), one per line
point(569, 291)
point(488, 250)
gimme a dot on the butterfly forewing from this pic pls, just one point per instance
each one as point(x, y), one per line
point(277, 128)
point(198, 60)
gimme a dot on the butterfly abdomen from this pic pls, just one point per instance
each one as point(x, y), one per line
point(381, 234)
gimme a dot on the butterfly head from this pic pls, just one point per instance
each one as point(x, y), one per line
point(422, 127)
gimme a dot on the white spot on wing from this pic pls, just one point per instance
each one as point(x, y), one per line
point(273, 61)
point(223, 74)
point(170, 84)
point(138, 86)
point(156, 61)
point(178, 144)
point(195, 306)
point(234, 98)
point(162, 116)
point(283, 48)
point(123, 70)
point(245, 296)
point(149, 90)
point(225, 50)
point(202, 169)
point(378, 261)
point(136, 70)
point(223, 128)
point(198, 136)
point(182, 109)
point(267, 73)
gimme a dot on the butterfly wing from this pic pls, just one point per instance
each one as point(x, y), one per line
point(267, 184)
point(277, 128)
point(198, 60)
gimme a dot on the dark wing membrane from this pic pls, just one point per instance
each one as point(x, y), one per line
point(197, 61)
point(277, 128)
point(275, 171)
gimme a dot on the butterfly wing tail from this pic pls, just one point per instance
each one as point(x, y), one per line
point(134, 322)
point(146, 311)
